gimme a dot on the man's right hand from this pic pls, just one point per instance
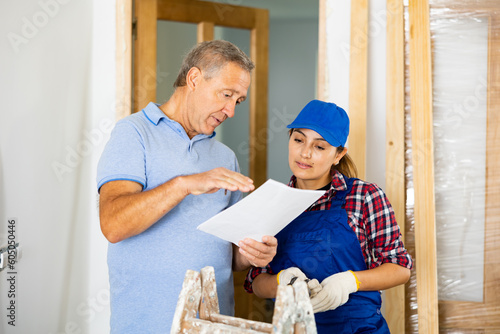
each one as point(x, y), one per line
point(215, 179)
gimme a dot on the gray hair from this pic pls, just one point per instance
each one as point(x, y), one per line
point(210, 57)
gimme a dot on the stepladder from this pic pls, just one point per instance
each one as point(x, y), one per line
point(197, 309)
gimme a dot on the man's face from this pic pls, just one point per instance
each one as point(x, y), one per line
point(213, 100)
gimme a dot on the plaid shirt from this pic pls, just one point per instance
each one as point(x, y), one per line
point(370, 216)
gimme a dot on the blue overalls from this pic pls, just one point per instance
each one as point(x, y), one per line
point(321, 243)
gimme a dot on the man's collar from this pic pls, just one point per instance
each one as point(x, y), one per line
point(154, 114)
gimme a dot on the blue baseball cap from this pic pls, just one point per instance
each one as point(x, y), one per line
point(327, 119)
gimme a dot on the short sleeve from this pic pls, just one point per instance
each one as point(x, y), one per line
point(236, 196)
point(123, 157)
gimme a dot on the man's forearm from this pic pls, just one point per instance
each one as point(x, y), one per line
point(128, 214)
point(125, 210)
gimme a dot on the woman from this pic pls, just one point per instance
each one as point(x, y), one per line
point(347, 245)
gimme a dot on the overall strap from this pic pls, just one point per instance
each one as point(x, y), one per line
point(338, 199)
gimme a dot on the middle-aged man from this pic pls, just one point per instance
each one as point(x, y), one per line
point(161, 174)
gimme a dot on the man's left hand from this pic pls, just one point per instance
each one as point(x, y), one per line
point(259, 254)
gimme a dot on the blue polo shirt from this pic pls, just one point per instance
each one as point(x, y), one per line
point(146, 271)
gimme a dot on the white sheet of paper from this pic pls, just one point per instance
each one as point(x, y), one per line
point(265, 211)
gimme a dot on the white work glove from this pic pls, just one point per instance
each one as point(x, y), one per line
point(335, 291)
point(314, 287)
point(285, 277)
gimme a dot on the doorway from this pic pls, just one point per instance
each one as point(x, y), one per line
point(293, 54)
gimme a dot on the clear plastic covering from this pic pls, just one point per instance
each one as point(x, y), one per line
point(465, 38)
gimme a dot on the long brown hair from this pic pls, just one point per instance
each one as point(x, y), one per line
point(346, 166)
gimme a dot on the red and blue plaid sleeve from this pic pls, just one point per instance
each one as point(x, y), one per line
point(252, 273)
point(377, 229)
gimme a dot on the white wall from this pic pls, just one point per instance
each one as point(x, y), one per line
point(338, 44)
point(57, 84)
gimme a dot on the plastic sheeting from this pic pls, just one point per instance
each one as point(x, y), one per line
point(460, 80)
point(460, 36)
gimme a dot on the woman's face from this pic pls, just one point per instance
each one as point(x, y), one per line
point(310, 158)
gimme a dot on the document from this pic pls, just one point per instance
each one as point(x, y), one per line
point(265, 211)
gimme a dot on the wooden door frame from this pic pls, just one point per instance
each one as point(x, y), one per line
point(143, 81)
point(123, 76)
point(423, 166)
point(358, 84)
point(395, 176)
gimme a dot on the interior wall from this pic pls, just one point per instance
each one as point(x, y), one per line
point(57, 65)
point(293, 58)
point(174, 40)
